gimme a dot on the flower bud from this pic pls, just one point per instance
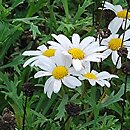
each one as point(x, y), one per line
point(28, 89)
point(123, 52)
point(126, 68)
point(72, 109)
point(105, 33)
point(7, 120)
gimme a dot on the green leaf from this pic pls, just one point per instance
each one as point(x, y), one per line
point(14, 35)
point(35, 7)
point(113, 98)
point(65, 4)
point(41, 119)
point(4, 32)
point(81, 9)
point(16, 61)
point(16, 3)
point(61, 108)
point(34, 30)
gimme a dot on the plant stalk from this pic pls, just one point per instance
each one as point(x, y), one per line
point(124, 103)
point(24, 114)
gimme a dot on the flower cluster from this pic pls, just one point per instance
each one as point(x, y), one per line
point(117, 41)
point(68, 62)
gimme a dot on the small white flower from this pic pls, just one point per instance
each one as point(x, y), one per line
point(113, 44)
point(86, 50)
point(94, 77)
point(60, 71)
point(119, 20)
point(42, 51)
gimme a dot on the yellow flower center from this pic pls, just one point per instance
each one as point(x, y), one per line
point(76, 53)
point(59, 72)
point(122, 14)
point(90, 76)
point(49, 52)
point(114, 44)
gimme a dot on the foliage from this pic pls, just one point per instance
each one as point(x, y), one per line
point(26, 24)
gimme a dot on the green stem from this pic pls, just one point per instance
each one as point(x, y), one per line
point(124, 103)
point(65, 4)
point(24, 114)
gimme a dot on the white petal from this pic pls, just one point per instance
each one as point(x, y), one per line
point(67, 61)
point(34, 63)
point(100, 82)
point(118, 8)
point(59, 58)
point(114, 76)
point(75, 40)
point(96, 49)
point(55, 45)
point(119, 63)
point(57, 86)
point(92, 58)
point(114, 57)
point(41, 74)
point(31, 53)
point(94, 72)
point(46, 67)
point(115, 24)
point(72, 71)
point(81, 77)
point(49, 84)
point(66, 54)
point(71, 82)
point(91, 46)
point(103, 75)
point(106, 83)
point(127, 24)
point(96, 57)
point(46, 61)
point(86, 41)
point(30, 61)
point(128, 56)
point(50, 88)
point(92, 82)
point(127, 44)
point(106, 53)
point(63, 40)
point(127, 35)
point(104, 42)
point(77, 64)
point(87, 66)
point(110, 6)
point(62, 60)
point(42, 48)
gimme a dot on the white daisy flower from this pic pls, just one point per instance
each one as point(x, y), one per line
point(60, 71)
point(119, 20)
point(113, 44)
point(94, 77)
point(42, 51)
point(86, 50)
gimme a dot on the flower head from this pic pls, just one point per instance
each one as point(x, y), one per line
point(94, 77)
point(42, 51)
point(114, 43)
point(119, 20)
point(78, 52)
point(59, 70)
